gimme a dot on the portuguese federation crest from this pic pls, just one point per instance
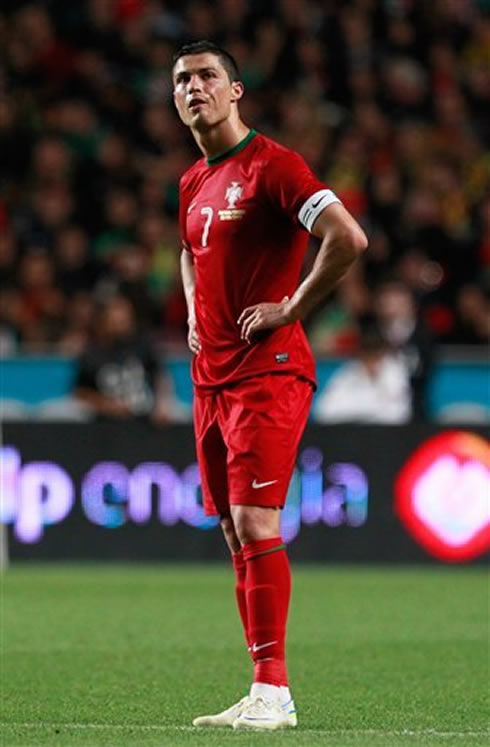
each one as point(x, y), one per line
point(233, 194)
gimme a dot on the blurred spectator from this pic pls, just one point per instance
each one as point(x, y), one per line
point(373, 388)
point(10, 321)
point(120, 376)
point(47, 211)
point(472, 316)
point(387, 101)
point(406, 334)
point(77, 334)
point(160, 237)
point(120, 212)
point(51, 163)
point(76, 269)
point(42, 303)
point(334, 329)
point(15, 143)
point(129, 271)
point(8, 258)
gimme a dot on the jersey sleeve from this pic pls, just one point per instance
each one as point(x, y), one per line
point(292, 186)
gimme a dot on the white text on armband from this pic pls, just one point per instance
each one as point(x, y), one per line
point(314, 205)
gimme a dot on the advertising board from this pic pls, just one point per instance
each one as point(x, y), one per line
point(358, 493)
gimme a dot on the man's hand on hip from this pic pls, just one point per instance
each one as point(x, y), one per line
point(193, 337)
point(263, 316)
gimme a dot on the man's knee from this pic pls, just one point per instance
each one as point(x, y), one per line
point(253, 523)
point(230, 534)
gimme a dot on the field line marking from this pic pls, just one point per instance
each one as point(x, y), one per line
point(176, 727)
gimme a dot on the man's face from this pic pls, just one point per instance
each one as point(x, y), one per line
point(394, 303)
point(118, 319)
point(203, 92)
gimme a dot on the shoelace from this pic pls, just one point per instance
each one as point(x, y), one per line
point(261, 703)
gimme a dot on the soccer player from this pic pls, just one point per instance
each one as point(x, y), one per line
point(246, 209)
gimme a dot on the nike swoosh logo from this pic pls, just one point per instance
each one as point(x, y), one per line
point(315, 204)
point(262, 645)
point(256, 484)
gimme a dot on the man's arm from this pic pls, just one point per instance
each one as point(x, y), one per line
point(343, 241)
point(189, 283)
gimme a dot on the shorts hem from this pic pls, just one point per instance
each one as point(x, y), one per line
point(210, 512)
point(268, 503)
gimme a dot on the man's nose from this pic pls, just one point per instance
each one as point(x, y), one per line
point(194, 83)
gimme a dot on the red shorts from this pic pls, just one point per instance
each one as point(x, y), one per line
point(247, 438)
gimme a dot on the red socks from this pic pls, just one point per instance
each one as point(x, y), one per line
point(240, 591)
point(267, 593)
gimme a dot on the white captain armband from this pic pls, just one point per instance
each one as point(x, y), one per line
point(314, 205)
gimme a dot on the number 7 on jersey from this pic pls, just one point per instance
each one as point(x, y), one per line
point(208, 212)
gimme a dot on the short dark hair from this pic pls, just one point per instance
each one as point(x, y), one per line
point(200, 47)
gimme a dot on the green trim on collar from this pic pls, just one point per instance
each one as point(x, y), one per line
point(233, 151)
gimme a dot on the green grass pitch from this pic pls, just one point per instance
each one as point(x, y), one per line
point(128, 655)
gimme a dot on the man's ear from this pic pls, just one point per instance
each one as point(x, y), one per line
point(237, 90)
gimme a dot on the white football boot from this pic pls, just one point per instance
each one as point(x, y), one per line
point(225, 718)
point(266, 714)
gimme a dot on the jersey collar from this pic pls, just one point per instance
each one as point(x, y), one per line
point(233, 151)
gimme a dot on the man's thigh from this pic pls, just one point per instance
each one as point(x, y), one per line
point(262, 420)
point(211, 456)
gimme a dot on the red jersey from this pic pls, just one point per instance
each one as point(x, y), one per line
point(245, 216)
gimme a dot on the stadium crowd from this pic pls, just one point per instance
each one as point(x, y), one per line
point(387, 100)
